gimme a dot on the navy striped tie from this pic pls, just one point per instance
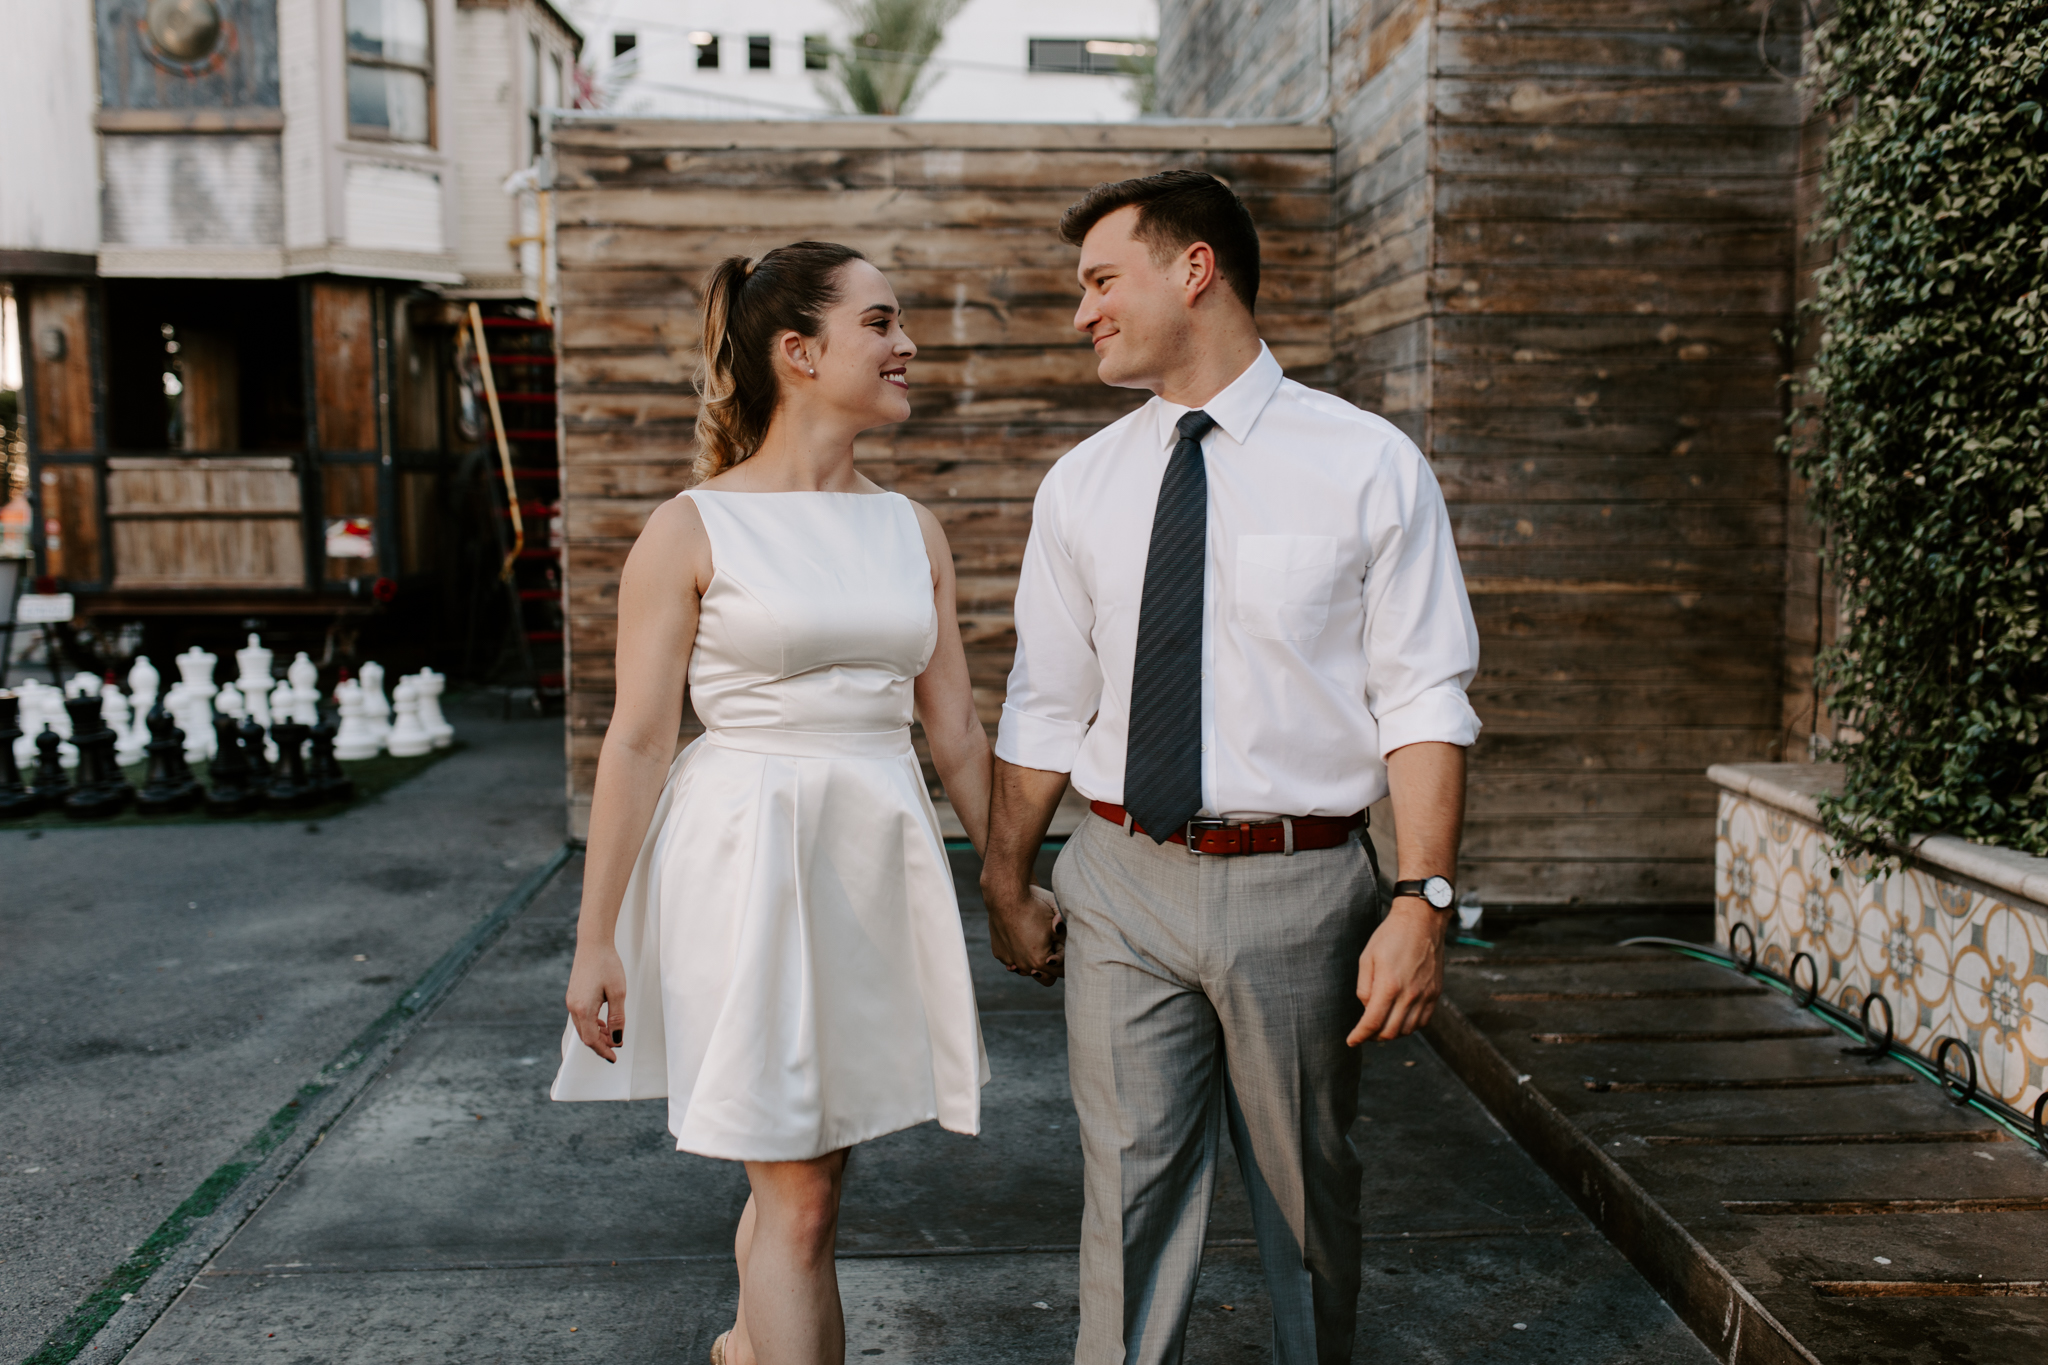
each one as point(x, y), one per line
point(1163, 755)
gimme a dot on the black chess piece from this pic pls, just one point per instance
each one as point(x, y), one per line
point(52, 786)
point(169, 786)
point(324, 772)
point(102, 789)
point(289, 789)
point(16, 800)
point(231, 793)
point(252, 753)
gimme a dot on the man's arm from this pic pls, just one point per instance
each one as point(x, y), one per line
point(1401, 971)
point(1023, 925)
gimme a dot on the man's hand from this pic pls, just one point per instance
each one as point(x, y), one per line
point(1400, 973)
point(1028, 935)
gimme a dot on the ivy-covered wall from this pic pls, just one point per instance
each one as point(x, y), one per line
point(1928, 464)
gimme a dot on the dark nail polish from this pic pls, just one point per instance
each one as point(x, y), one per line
point(611, 1061)
point(618, 1036)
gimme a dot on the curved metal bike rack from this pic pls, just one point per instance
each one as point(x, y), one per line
point(1968, 1091)
point(1812, 992)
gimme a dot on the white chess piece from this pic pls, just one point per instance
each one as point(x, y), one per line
point(409, 738)
point(304, 673)
point(180, 702)
point(195, 670)
point(306, 705)
point(253, 661)
point(230, 702)
point(143, 682)
point(81, 685)
point(355, 740)
point(114, 711)
point(431, 685)
point(376, 707)
point(42, 704)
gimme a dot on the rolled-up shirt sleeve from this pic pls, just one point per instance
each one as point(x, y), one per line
point(1056, 681)
point(1421, 643)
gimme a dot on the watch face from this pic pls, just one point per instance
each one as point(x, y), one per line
point(1438, 893)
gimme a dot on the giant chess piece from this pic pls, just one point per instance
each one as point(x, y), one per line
point(114, 710)
point(143, 681)
point(52, 786)
point(409, 739)
point(231, 792)
point(253, 663)
point(323, 772)
point(253, 739)
point(289, 789)
point(431, 685)
point(356, 741)
point(170, 786)
point(16, 800)
point(102, 790)
point(376, 706)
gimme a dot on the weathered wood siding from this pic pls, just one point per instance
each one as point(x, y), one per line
point(1612, 267)
point(961, 217)
point(1564, 254)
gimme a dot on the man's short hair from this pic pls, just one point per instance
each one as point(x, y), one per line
point(1176, 209)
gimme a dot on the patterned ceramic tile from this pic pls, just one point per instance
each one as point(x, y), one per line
point(1950, 961)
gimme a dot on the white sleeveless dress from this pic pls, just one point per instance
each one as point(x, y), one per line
point(796, 976)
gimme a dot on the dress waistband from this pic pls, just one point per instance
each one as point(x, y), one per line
point(763, 739)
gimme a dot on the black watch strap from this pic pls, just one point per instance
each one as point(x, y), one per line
point(1414, 888)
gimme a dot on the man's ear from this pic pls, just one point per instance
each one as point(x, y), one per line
point(1199, 263)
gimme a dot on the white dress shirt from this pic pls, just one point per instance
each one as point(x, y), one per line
point(1336, 627)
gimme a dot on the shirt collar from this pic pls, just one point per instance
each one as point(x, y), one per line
point(1236, 409)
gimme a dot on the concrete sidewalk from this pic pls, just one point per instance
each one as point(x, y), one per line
point(457, 1215)
point(168, 989)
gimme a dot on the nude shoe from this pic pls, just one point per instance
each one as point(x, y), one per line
point(718, 1349)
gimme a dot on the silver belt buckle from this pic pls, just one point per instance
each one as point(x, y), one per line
point(1204, 822)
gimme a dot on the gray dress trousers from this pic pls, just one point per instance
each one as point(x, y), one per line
point(1203, 991)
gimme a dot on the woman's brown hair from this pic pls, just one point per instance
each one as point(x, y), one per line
point(748, 302)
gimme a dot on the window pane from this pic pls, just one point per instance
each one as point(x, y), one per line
point(817, 52)
point(707, 53)
point(758, 52)
point(392, 102)
point(395, 30)
point(622, 43)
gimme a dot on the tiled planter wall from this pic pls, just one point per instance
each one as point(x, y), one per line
point(1954, 954)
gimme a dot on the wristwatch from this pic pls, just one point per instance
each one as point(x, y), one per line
point(1437, 892)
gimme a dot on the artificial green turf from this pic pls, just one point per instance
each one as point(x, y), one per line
point(372, 776)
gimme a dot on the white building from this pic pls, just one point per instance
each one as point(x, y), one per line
point(238, 237)
point(1000, 59)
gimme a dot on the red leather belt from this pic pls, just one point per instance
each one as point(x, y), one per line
point(1206, 834)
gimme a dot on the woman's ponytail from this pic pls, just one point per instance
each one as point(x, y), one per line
point(748, 302)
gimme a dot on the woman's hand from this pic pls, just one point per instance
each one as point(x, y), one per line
point(597, 998)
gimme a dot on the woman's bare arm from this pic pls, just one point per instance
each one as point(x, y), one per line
point(945, 698)
point(664, 577)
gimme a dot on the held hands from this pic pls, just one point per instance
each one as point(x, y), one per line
point(1028, 936)
point(1400, 973)
point(597, 998)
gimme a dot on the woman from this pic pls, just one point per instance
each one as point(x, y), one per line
point(769, 935)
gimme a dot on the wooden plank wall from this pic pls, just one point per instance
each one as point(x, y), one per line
point(1564, 253)
point(961, 217)
point(1612, 255)
point(1813, 607)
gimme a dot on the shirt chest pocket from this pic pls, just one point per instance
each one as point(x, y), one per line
point(1284, 585)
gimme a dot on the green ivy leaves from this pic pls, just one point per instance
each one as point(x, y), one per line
point(1929, 456)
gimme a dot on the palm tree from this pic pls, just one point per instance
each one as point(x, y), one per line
point(882, 68)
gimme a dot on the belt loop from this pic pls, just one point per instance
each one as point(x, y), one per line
point(1287, 836)
point(1130, 824)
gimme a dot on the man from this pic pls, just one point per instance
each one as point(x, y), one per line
point(1241, 622)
